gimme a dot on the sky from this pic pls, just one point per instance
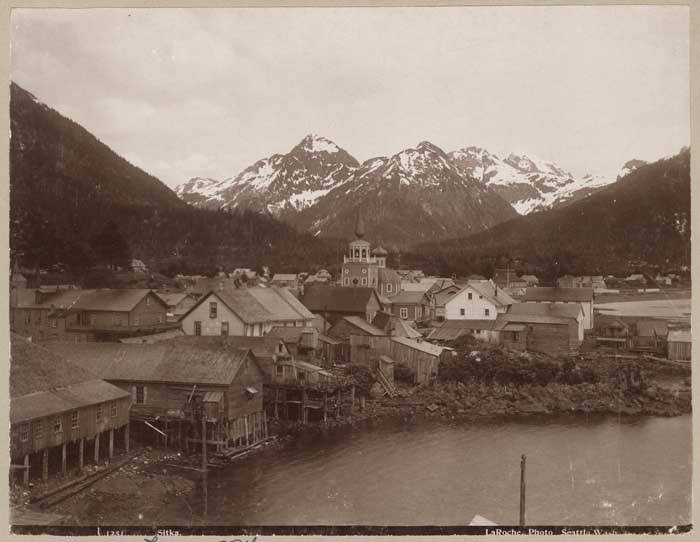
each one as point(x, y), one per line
point(185, 93)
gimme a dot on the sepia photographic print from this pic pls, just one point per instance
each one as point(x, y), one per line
point(349, 270)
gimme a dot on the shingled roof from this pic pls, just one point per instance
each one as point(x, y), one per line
point(108, 299)
point(561, 310)
point(580, 295)
point(190, 360)
point(43, 383)
point(322, 298)
point(408, 298)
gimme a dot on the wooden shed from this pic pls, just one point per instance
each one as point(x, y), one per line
point(423, 358)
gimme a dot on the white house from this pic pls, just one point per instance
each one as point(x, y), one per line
point(245, 312)
point(478, 300)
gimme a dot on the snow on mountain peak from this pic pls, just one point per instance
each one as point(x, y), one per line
point(316, 143)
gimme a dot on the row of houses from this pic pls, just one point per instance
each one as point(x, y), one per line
point(644, 335)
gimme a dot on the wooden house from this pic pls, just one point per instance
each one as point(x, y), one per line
point(91, 315)
point(268, 351)
point(353, 325)
point(59, 409)
point(410, 306)
point(421, 357)
point(439, 299)
point(573, 311)
point(478, 300)
point(335, 302)
point(300, 341)
point(180, 385)
point(333, 351)
point(394, 326)
point(538, 333)
point(245, 312)
point(679, 345)
point(584, 296)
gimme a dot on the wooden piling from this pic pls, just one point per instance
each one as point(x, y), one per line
point(126, 437)
point(25, 476)
point(277, 394)
point(81, 454)
point(265, 423)
point(523, 458)
point(325, 408)
point(111, 443)
point(247, 441)
point(97, 448)
point(64, 459)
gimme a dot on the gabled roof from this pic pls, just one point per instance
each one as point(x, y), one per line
point(274, 302)
point(504, 319)
point(401, 328)
point(408, 298)
point(580, 295)
point(322, 298)
point(173, 298)
point(496, 295)
point(188, 360)
point(33, 368)
point(107, 299)
point(262, 347)
point(415, 287)
point(360, 324)
point(382, 320)
point(444, 295)
point(292, 301)
point(563, 310)
point(256, 305)
point(44, 383)
point(423, 346)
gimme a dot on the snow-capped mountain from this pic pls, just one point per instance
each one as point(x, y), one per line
point(197, 190)
point(415, 195)
point(281, 183)
point(527, 183)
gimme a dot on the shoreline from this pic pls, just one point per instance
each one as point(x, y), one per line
point(152, 485)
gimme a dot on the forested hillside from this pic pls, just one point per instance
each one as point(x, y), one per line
point(69, 192)
point(645, 216)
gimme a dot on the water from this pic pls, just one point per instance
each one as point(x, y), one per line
point(580, 471)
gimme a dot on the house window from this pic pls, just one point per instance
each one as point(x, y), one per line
point(224, 328)
point(389, 286)
point(39, 429)
point(280, 370)
point(198, 328)
point(486, 312)
point(54, 323)
point(301, 375)
point(113, 409)
point(347, 270)
point(347, 281)
point(93, 320)
point(364, 252)
point(404, 312)
point(57, 425)
point(24, 432)
point(140, 395)
point(461, 312)
point(469, 296)
point(117, 320)
point(364, 281)
point(148, 300)
point(137, 320)
point(74, 420)
point(98, 414)
point(160, 319)
point(212, 309)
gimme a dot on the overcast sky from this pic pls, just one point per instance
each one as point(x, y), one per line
point(207, 92)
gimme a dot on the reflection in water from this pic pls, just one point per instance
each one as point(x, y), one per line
point(580, 471)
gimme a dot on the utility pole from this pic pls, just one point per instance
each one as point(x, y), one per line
point(523, 458)
point(205, 463)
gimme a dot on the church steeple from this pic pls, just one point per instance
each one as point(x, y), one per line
point(359, 225)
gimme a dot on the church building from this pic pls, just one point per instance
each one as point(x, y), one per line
point(366, 267)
